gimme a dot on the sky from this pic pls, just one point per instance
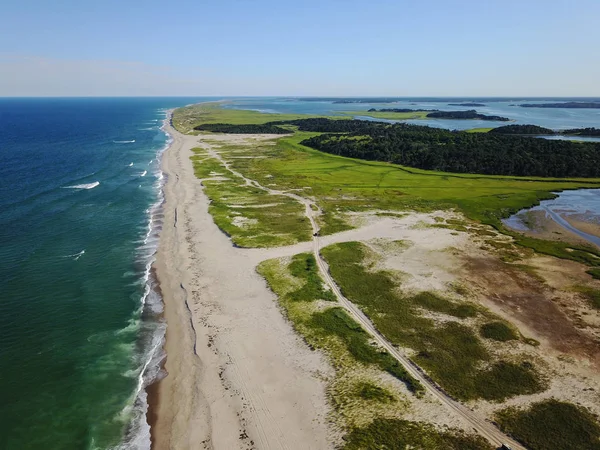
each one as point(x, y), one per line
point(300, 48)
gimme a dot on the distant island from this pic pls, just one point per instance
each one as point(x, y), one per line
point(466, 104)
point(437, 114)
point(534, 130)
point(590, 105)
point(470, 114)
point(353, 100)
point(401, 110)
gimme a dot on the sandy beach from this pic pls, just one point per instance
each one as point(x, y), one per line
point(238, 376)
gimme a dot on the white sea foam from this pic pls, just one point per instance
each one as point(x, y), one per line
point(143, 174)
point(75, 256)
point(138, 433)
point(83, 186)
point(124, 142)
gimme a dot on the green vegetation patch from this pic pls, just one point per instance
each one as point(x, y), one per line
point(433, 302)
point(337, 322)
point(498, 331)
point(369, 391)
point(595, 273)
point(394, 434)
point(357, 392)
point(451, 352)
point(591, 295)
point(304, 267)
point(251, 216)
point(550, 425)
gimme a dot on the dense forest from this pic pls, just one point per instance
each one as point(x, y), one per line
point(535, 130)
point(456, 151)
point(522, 129)
point(592, 132)
point(470, 114)
point(268, 128)
point(562, 105)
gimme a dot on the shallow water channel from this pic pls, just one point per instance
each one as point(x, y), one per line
point(582, 204)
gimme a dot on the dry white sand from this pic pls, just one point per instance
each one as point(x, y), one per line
point(238, 376)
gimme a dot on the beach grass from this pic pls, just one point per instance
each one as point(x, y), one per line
point(366, 405)
point(402, 434)
point(595, 273)
point(451, 352)
point(250, 216)
point(498, 331)
point(551, 424)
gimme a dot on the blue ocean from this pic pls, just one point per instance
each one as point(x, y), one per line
point(80, 316)
point(81, 325)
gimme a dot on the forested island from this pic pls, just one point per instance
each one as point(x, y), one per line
point(469, 114)
point(437, 114)
point(522, 130)
point(591, 105)
point(541, 131)
point(441, 150)
point(591, 132)
point(471, 104)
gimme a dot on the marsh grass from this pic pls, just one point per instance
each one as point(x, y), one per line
point(394, 434)
point(451, 352)
point(498, 331)
point(551, 424)
point(369, 391)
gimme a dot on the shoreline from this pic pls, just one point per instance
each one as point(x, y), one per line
point(237, 375)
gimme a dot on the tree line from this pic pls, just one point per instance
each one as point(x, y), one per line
point(492, 153)
point(458, 151)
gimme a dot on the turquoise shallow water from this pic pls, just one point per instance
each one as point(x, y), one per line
point(79, 320)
